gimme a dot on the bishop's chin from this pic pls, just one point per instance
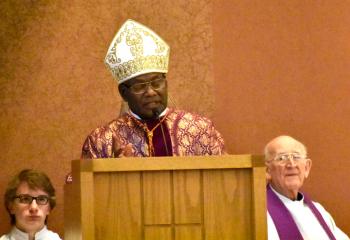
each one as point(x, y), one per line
point(149, 115)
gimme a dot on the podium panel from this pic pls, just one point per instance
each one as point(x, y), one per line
point(175, 198)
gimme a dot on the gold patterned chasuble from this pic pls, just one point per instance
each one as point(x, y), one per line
point(190, 135)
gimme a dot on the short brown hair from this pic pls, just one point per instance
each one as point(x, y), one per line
point(35, 180)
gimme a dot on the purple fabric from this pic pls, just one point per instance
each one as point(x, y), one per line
point(283, 220)
point(161, 143)
point(319, 217)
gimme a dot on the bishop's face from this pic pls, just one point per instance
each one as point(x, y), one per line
point(147, 94)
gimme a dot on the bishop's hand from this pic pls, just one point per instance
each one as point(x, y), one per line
point(118, 151)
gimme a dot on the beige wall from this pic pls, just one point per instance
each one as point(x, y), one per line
point(283, 67)
point(258, 69)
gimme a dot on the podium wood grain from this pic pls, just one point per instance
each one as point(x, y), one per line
point(175, 198)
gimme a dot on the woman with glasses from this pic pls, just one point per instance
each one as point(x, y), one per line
point(29, 199)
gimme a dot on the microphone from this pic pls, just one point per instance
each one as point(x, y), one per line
point(157, 111)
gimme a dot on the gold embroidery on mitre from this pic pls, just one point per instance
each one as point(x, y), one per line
point(136, 50)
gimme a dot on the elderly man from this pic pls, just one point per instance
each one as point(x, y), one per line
point(29, 199)
point(291, 214)
point(138, 60)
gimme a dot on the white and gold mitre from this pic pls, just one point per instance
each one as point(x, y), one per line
point(136, 50)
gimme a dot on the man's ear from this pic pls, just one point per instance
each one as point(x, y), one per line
point(123, 91)
point(308, 165)
point(268, 175)
point(10, 208)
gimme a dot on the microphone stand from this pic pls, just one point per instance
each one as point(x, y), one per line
point(157, 112)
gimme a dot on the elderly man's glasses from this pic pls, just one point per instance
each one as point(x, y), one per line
point(156, 84)
point(285, 157)
point(27, 199)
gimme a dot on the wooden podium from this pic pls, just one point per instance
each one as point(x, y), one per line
point(167, 198)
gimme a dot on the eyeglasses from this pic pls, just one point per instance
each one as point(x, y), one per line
point(156, 84)
point(285, 157)
point(27, 199)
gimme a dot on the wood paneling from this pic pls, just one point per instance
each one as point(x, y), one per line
point(206, 200)
point(188, 232)
point(158, 232)
point(187, 197)
point(157, 198)
point(117, 199)
point(227, 193)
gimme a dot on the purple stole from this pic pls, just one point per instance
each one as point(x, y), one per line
point(161, 138)
point(283, 220)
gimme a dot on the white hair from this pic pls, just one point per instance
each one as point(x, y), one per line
point(269, 152)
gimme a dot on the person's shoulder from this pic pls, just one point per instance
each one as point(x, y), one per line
point(187, 115)
point(319, 206)
point(111, 125)
point(323, 211)
point(4, 237)
point(339, 234)
point(52, 235)
point(47, 234)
